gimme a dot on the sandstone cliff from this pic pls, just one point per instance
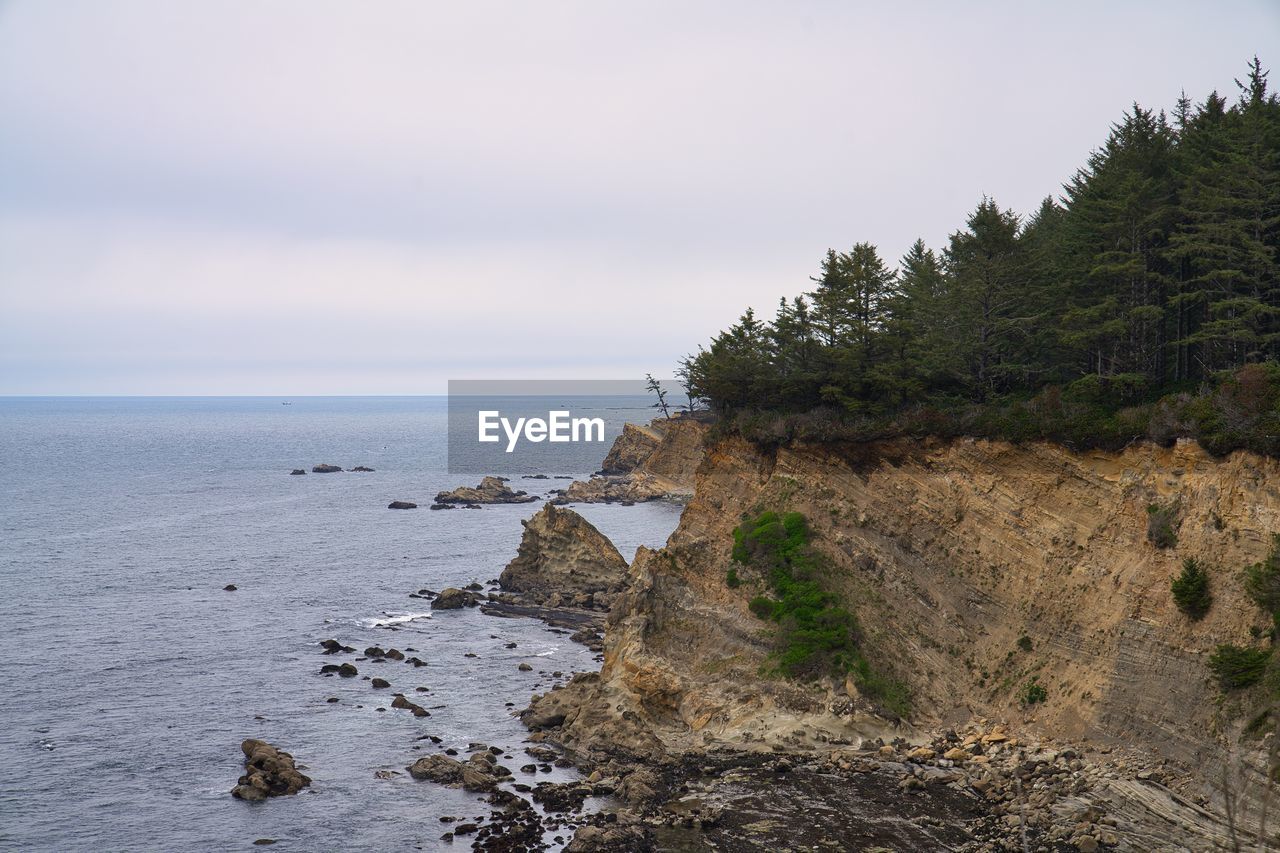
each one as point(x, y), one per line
point(951, 553)
point(654, 462)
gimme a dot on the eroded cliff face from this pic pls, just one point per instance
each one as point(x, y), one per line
point(950, 552)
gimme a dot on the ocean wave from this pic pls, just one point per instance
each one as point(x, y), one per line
point(393, 619)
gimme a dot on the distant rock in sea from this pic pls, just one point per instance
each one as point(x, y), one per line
point(492, 490)
point(402, 505)
point(325, 469)
point(298, 471)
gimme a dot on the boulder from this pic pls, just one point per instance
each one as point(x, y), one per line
point(297, 471)
point(492, 490)
point(325, 469)
point(333, 647)
point(269, 772)
point(362, 469)
point(402, 505)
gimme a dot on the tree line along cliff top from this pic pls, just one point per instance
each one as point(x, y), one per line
point(1144, 302)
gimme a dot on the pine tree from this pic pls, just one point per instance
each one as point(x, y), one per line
point(1121, 208)
point(987, 266)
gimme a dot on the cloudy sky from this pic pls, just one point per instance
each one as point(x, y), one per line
point(316, 197)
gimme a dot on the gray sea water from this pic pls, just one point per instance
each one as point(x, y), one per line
point(130, 676)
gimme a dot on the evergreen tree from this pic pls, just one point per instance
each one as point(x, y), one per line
point(987, 267)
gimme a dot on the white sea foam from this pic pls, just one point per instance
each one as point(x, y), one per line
point(393, 619)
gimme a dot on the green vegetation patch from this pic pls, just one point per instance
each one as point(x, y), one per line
point(1262, 582)
point(816, 635)
point(1238, 666)
point(1162, 524)
point(1033, 692)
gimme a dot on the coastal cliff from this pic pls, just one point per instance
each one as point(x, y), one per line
point(974, 568)
point(654, 462)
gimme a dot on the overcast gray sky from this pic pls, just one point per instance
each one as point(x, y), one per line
point(313, 197)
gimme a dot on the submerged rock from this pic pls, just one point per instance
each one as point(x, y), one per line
point(402, 505)
point(297, 471)
point(325, 469)
point(269, 772)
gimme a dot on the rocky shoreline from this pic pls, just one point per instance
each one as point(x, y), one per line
point(683, 742)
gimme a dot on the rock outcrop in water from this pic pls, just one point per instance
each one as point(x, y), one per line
point(951, 553)
point(325, 469)
point(492, 490)
point(452, 598)
point(561, 552)
point(479, 773)
point(654, 462)
point(269, 772)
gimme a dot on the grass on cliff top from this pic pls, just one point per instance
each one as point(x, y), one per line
point(816, 636)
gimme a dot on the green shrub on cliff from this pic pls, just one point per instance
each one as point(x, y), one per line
point(1162, 522)
point(815, 635)
point(1238, 666)
point(1262, 582)
point(1191, 590)
point(1033, 692)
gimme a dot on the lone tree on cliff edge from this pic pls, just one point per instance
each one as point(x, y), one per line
point(655, 387)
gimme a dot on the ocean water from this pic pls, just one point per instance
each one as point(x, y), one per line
point(130, 676)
